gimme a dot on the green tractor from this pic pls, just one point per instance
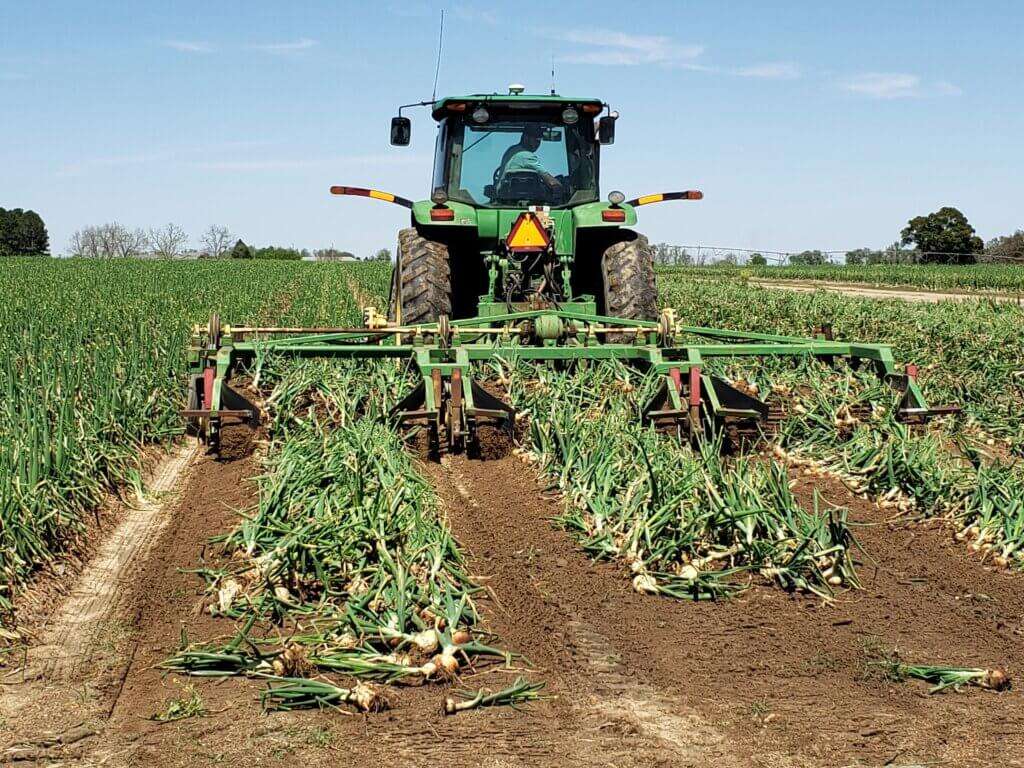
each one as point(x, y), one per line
point(515, 257)
point(515, 220)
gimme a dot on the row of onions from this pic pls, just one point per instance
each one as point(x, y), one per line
point(92, 365)
point(92, 360)
point(688, 524)
point(1003, 278)
point(842, 423)
point(345, 576)
point(968, 352)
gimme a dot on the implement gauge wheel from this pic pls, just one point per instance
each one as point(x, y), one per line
point(421, 288)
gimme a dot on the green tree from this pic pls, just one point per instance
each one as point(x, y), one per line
point(22, 233)
point(861, 256)
point(943, 237)
point(384, 254)
point(241, 251)
point(807, 258)
point(757, 260)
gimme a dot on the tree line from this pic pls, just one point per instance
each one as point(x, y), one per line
point(22, 233)
point(116, 241)
point(942, 237)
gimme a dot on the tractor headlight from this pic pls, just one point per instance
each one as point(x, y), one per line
point(481, 115)
point(439, 196)
point(570, 116)
point(616, 198)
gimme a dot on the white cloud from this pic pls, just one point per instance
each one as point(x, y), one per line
point(621, 49)
point(777, 70)
point(188, 46)
point(303, 44)
point(884, 85)
point(946, 88)
point(897, 85)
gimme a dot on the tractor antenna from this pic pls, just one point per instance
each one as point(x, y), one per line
point(437, 69)
point(552, 73)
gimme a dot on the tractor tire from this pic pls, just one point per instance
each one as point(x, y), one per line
point(627, 268)
point(421, 288)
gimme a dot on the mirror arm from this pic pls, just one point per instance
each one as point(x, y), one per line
point(415, 104)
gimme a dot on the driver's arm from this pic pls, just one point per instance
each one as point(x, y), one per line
point(550, 180)
point(530, 162)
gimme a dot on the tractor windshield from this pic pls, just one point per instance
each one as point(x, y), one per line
point(516, 160)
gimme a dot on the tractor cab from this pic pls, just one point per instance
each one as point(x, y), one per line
point(518, 150)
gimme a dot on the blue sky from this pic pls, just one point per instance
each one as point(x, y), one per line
point(807, 124)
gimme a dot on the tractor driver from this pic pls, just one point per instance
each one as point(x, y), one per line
point(523, 157)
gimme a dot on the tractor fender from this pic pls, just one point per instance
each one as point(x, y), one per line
point(465, 215)
point(589, 215)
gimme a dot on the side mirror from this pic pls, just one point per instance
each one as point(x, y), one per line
point(606, 130)
point(401, 131)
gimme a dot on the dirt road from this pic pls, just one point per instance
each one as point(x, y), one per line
point(871, 292)
point(767, 679)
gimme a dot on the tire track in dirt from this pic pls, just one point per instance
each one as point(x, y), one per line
point(83, 632)
point(781, 679)
point(551, 604)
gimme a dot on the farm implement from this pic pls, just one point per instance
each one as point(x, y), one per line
point(449, 401)
point(514, 257)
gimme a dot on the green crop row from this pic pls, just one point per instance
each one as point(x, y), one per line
point(346, 547)
point(688, 523)
point(1005, 278)
point(968, 352)
point(92, 357)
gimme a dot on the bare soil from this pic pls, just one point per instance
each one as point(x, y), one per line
point(767, 679)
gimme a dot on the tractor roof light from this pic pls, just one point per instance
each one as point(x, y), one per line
point(570, 116)
point(439, 196)
point(481, 115)
point(616, 198)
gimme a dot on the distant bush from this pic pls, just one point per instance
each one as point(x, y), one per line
point(276, 252)
point(808, 258)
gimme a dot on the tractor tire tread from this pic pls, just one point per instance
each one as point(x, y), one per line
point(630, 288)
point(423, 277)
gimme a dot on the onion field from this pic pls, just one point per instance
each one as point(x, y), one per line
point(344, 582)
point(981, 278)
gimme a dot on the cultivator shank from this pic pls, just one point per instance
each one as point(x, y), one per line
point(452, 406)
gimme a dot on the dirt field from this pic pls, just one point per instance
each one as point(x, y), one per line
point(764, 680)
point(869, 292)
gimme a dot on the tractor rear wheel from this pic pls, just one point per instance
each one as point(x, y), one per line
point(628, 271)
point(421, 288)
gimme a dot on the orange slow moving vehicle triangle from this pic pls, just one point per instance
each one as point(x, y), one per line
point(527, 234)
